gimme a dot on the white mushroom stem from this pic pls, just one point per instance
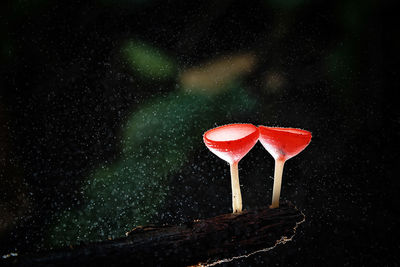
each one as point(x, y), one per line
point(236, 195)
point(277, 183)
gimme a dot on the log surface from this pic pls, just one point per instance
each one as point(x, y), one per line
point(207, 241)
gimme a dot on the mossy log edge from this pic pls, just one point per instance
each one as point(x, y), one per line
point(201, 242)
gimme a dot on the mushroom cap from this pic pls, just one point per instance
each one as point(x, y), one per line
point(231, 142)
point(284, 143)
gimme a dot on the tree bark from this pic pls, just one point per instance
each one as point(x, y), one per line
point(207, 241)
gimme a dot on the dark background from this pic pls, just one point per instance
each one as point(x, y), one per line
point(67, 91)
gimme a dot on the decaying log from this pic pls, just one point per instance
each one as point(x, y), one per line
point(207, 241)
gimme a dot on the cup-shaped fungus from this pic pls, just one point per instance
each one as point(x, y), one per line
point(231, 143)
point(282, 144)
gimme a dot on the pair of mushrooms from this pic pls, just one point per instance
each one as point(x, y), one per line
point(233, 141)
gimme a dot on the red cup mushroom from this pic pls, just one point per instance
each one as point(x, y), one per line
point(231, 143)
point(282, 144)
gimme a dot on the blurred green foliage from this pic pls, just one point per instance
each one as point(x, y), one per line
point(157, 141)
point(147, 61)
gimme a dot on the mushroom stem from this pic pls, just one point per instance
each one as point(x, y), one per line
point(277, 183)
point(236, 195)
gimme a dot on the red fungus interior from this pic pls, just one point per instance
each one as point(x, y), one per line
point(284, 143)
point(231, 142)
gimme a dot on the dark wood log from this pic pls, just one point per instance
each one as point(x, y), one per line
point(207, 241)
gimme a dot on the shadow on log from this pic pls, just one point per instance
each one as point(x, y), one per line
point(202, 242)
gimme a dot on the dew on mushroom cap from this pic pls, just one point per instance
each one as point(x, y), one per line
point(230, 132)
point(231, 142)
